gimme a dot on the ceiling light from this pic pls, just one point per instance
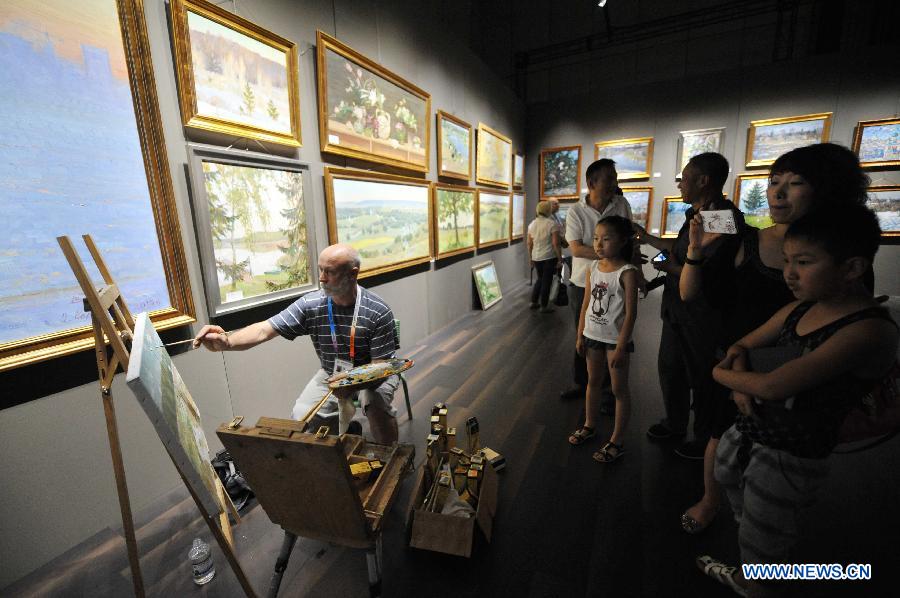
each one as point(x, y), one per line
point(602, 3)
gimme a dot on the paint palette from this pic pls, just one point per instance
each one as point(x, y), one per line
point(369, 375)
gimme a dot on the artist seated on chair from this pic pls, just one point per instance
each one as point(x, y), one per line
point(348, 325)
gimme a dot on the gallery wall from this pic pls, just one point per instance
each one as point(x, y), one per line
point(58, 482)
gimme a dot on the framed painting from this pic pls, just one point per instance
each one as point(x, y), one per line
point(672, 216)
point(487, 284)
point(698, 141)
point(633, 157)
point(767, 139)
point(640, 198)
point(518, 171)
point(517, 216)
point(251, 216)
point(877, 142)
point(564, 207)
point(234, 77)
point(560, 172)
point(454, 219)
point(108, 176)
point(493, 158)
point(387, 218)
point(367, 112)
point(454, 147)
point(493, 218)
point(884, 200)
point(750, 192)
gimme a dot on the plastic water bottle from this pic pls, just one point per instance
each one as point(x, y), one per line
point(201, 562)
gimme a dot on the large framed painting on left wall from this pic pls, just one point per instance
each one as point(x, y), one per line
point(82, 152)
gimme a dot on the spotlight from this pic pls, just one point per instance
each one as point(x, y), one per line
point(602, 3)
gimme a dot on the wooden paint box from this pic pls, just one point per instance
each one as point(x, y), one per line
point(447, 533)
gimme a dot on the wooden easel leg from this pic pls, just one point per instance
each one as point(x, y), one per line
point(115, 451)
point(284, 556)
point(373, 562)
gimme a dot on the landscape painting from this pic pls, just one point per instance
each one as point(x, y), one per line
point(563, 213)
point(768, 139)
point(487, 284)
point(518, 171)
point(454, 147)
point(700, 141)
point(454, 210)
point(885, 202)
point(633, 157)
point(750, 191)
point(560, 172)
point(493, 218)
point(493, 157)
point(877, 142)
point(384, 217)
point(252, 230)
point(166, 400)
point(639, 198)
point(673, 216)
point(368, 112)
point(72, 163)
point(517, 216)
point(234, 76)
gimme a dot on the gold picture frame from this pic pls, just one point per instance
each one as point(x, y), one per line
point(885, 199)
point(877, 142)
point(368, 112)
point(672, 205)
point(151, 153)
point(517, 216)
point(213, 42)
point(450, 212)
point(450, 149)
point(560, 172)
point(751, 200)
point(493, 158)
point(492, 217)
point(769, 138)
point(382, 193)
point(518, 170)
point(633, 157)
point(642, 197)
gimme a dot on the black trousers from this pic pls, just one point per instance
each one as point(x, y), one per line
point(541, 288)
point(579, 366)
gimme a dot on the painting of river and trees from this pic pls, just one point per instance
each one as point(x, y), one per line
point(493, 218)
point(673, 216)
point(454, 211)
point(487, 284)
point(639, 198)
point(72, 163)
point(633, 157)
point(768, 139)
point(384, 217)
point(750, 191)
point(560, 172)
point(885, 202)
point(368, 112)
point(252, 230)
point(454, 147)
point(234, 77)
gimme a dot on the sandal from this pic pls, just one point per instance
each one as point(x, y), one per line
point(581, 435)
point(693, 526)
point(609, 452)
point(722, 573)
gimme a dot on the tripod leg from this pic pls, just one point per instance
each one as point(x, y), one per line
point(373, 561)
point(281, 564)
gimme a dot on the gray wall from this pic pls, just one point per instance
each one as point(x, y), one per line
point(58, 485)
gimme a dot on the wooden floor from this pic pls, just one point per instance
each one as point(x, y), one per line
point(566, 525)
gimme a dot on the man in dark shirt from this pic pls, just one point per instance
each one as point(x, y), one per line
point(348, 326)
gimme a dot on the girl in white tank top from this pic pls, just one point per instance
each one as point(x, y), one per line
point(607, 320)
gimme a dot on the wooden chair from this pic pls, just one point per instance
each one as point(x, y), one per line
point(402, 379)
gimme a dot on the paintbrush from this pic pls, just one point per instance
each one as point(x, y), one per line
point(190, 340)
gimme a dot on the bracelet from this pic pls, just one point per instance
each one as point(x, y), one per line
point(691, 262)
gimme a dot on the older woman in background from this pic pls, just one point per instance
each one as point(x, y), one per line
point(544, 252)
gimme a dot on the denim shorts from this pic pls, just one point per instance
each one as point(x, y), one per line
point(601, 346)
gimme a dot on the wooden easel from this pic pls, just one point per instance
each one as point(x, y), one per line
point(113, 325)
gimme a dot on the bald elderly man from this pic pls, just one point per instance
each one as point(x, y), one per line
point(348, 326)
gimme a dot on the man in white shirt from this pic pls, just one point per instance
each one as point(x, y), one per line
point(601, 201)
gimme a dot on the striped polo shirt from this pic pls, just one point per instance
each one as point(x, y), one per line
point(308, 315)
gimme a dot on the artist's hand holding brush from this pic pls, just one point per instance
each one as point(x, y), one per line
point(215, 338)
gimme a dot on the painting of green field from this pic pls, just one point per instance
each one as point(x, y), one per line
point(632, 158)
point(518, 216)
point(493, 217)
point(238, 78)
point(494, 158)
point(386, 222)
point(770, 141)
point(487, 283)
point(258, 225)
point(456, 220)
point(752, 201)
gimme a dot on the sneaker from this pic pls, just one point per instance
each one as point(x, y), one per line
point(661, 431)
point(576, 392)
point(694, 449)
